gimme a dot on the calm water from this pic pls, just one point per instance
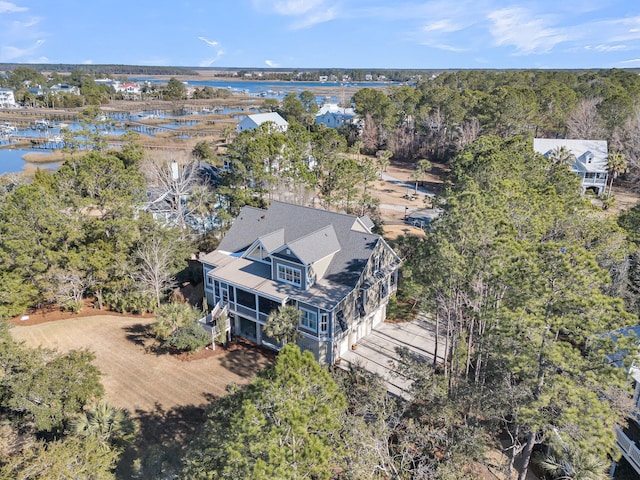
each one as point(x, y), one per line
point(11, 160)
point(255, 87)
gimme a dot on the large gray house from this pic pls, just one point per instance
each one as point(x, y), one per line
point(329, 265)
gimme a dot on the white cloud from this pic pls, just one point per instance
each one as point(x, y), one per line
point(444, 25)
point(524, 30)
point(210, 61)
point(622, 29)
point(20, 37)
point(87, 62)
point(288, 7)
point(296, 7)
point(219, 52)
point(633, 61)
point(10, 52)
point(314, 18)
point(271, 63)
point(606, 48)
point(8, 7)
point(448, 48)
point(212, 43)
point(306, 13)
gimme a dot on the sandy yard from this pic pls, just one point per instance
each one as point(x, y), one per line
point(133, 376)
point(393, 192)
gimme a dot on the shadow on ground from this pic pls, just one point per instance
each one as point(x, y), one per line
point(159, 445)
point(138, 334)
point(245, 359)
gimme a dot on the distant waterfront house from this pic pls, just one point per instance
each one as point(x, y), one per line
point(329, 265)
point(37, 90)
point(251, 122)
point(64, 88)
point(129, 90)
point(334, 116)
point(588, 159)
point(7, 98)
point(128, 87)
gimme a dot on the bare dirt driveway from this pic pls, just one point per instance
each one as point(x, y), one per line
point(135, 378)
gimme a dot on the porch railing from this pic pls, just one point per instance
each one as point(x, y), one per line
point(629, 449)
point(212, 322)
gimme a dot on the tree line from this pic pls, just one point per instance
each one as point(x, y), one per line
point(440, 116)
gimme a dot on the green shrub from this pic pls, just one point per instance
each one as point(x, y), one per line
point(189, 338)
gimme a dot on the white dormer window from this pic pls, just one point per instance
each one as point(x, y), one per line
point(289, 274)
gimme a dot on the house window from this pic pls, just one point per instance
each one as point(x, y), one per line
point(324, 322)
point(384, 290)
point(209, 280)
point(309, 320)
point(289, 275)
point(341, 321)
point(376, 264)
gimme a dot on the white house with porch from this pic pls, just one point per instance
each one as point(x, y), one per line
point(589, 159)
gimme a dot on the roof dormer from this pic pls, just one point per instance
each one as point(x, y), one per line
point(587, 157)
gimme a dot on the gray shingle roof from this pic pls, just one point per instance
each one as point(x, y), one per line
point(297, 222)
point(272, 241)
point(316, 245)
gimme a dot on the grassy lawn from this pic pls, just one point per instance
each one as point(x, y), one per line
point(166, 394)
point(135, 378)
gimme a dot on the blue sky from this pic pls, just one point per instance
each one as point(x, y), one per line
point(324, 33)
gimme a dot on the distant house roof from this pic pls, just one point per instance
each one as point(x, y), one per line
point(334, 116)
point(335, 108)
point(590, 155)
point(251, 122)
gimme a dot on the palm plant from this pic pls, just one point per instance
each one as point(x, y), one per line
point(422, 167)
point(573, 464)
point(111, 427)
point(562, 156)
point(282, 324)
point(171, 316)
point(617, 165)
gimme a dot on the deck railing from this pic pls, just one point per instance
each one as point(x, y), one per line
point(629, 449)
point(212, 322)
